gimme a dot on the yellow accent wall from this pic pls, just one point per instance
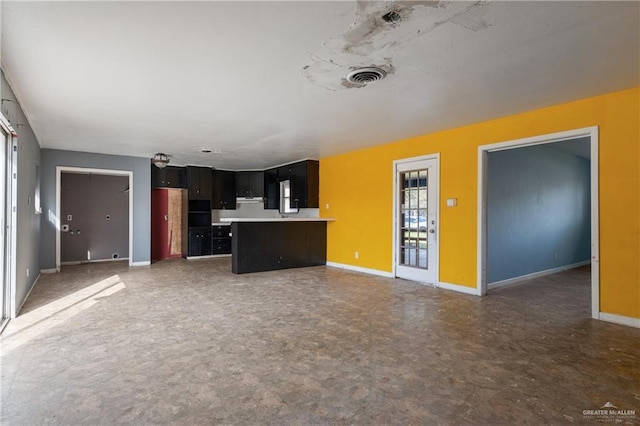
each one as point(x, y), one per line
point(358, 188)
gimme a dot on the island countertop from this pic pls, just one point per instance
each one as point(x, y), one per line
point(276, 219)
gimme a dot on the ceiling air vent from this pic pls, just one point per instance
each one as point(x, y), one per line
point(366, 75)
point(391, 17)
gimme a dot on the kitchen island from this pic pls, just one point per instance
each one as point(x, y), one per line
point(269, 244)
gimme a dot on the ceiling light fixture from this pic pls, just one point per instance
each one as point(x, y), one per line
point(160, 160)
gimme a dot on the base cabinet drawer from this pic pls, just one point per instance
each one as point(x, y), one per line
point(221, 247)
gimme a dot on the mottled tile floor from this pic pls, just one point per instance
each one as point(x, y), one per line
point(187, 342)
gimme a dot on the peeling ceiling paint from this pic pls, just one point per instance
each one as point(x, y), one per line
point(371, 41)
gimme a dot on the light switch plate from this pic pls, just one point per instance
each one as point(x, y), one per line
point(452, 202)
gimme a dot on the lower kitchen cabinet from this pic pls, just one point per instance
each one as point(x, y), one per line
point(199, 241)
point(220, 239)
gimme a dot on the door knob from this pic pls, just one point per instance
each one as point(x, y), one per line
point(166, 217)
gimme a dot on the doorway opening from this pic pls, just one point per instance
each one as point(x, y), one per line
point(94, 208)
point(167, 207)
point(538, 210)
point(415, 236)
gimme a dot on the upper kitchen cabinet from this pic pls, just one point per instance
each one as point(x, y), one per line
point(271, 190)
point(223, 194)
point(199, 183)
point(168, 177)
point(304, 177)
point(250, 184)
point(303, 180)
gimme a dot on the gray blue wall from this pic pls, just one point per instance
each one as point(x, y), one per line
point(28, 220)
point(538, 211)
point(51, 158)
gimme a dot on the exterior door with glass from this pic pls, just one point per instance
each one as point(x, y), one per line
point(416, 224)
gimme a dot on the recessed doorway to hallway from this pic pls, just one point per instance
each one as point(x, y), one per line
point(539, 212)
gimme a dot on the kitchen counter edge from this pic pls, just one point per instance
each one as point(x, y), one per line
point(276, 219)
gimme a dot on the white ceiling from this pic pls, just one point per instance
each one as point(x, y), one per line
point(262, 82)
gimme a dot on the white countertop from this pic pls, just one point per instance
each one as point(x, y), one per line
point(276, 219)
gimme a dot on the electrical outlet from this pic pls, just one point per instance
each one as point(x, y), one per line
point(27, 272)
point(357, 255)
point(327, 206)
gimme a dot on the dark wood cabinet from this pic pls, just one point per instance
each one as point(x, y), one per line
point(223, 193)
point(250, 184)
point(304, 180)
point(197, 223)
point(271, 189)
point(199, 241)
point(220, 239)
point(168, 177)
point(267, 246)
point(199, 183)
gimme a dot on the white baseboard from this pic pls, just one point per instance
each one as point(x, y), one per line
point(209, 256)
point(82, 262)
point(28, 294)
point(619, 319)
point(48, 271)
point(521, 278)
point(141, 263)
point(361, 269)
point(459, 288)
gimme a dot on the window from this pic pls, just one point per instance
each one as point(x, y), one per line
point(36, 198)
point(285, 197)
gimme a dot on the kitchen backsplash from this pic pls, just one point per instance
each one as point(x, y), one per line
point(257, 210)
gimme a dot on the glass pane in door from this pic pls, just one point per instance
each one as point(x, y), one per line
point(413, 215)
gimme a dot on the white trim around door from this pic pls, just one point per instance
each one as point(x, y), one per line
point(60, 170)
point(592, 133)
point(433, 225)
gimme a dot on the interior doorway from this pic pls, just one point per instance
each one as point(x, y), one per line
point(166, 223)
point(542, 216)
point(416, 219)
point(94, 208)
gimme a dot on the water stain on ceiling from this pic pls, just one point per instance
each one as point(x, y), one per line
point(379, 31)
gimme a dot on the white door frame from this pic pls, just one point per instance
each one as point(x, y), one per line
point(592, 133)
point(11, 217)
point(396, 208)
point(62, 169)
